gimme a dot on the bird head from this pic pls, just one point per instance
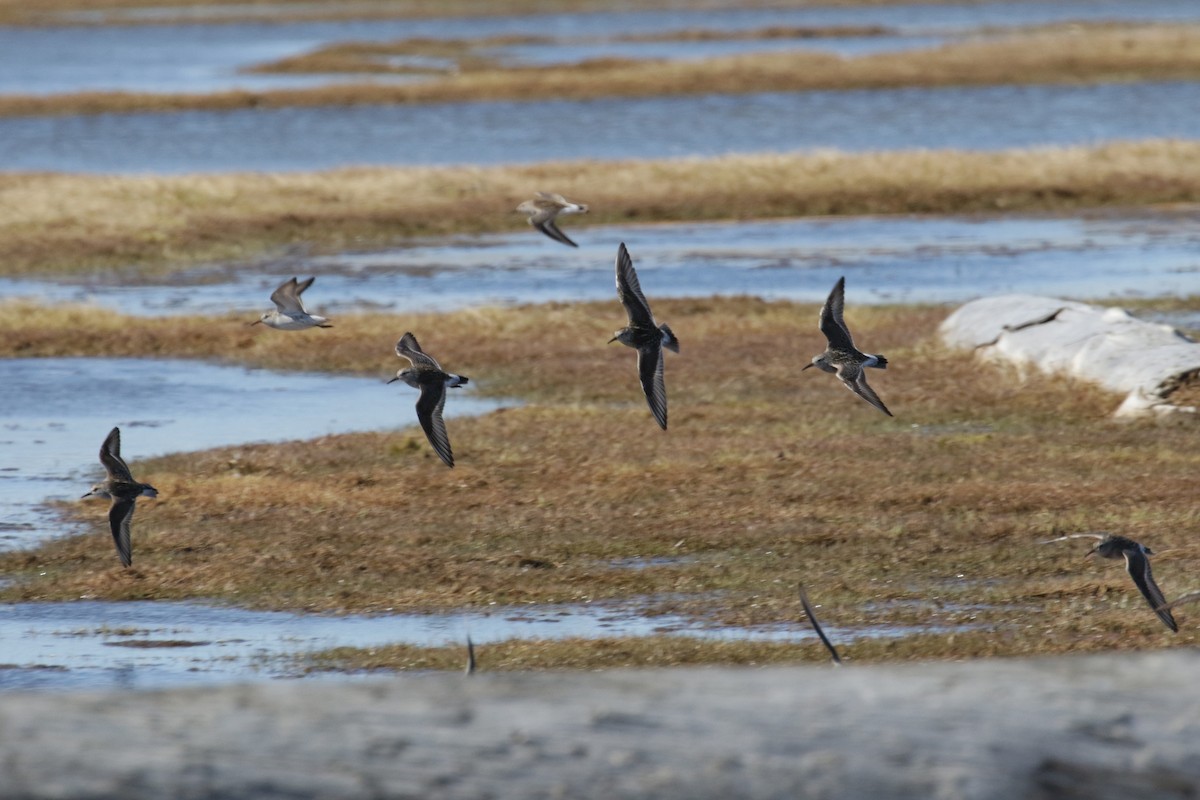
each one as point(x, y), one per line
point(97, 491)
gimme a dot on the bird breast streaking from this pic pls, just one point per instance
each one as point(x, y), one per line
point(123, 490)
point(644, 335)
point(841, 356)
point(427, 375)
point(289, 313)
point(545, 208)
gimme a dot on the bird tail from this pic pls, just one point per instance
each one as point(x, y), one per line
point(457, 380)
point(880, 362)
point(669, 340)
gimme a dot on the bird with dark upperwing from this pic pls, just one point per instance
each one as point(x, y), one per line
point(289, 313)
point(427, 375)
point(644, 335)
point(1136, 564)
point(816, 626)
point(841, 356)
point(544, 209)
point(123, 490)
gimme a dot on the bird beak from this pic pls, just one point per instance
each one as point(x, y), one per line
point(393, 380)
point(805, 367)
point(1089, 552)
point(256, 322)
point(86, 496)
point(613, 339)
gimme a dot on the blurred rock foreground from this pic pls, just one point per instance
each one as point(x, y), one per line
point(1098, 726)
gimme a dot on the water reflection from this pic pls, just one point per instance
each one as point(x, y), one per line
point(141, 645)
point(206, 57)
point(885, 259)
point(978, 118)
point(916, 16)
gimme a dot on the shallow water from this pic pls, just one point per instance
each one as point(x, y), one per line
point(885, 259)
point(141, 645)
point(974, 118)
point(58, 411)
point(206, 57)
point(918, 15)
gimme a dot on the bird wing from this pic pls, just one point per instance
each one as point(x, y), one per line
point(1190, 597)
point(650, 368)
point(855, 379)
point(629, 291)
point(120, 514)
point(1138, 567)
point(551, 198)
point(863, 390)
point(812, 619)
point(287, 297)
point(429, 412)
point(548, 227)
point(1075, 536)
point(408, 348)
point(110, 457)
point(832, 324)
point(300, 287)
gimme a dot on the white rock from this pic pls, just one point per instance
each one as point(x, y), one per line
point(1107, 346)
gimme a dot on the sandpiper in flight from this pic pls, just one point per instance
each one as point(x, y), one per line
point(841, 356)
point(289, 313)
point(1136, 564)
point(816, 626)
point(427, 375)
point(544, 208)
point(644, 335)
point(123, 490)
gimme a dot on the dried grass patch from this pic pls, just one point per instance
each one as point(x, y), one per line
point(1089, 54)
point(70, 223)
point(766, 478)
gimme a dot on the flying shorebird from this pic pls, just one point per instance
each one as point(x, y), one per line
point(123, 490)
point(544, 208)
point(812, 619)
point(427, 375)
point(1136, 564)
point(644, 335)
point(289, 313)
point(841, 356)
point(470, 668)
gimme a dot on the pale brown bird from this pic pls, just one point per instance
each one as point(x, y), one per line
point(545, 208)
